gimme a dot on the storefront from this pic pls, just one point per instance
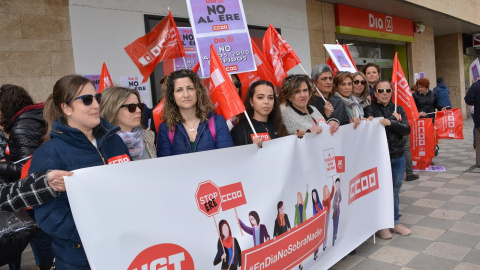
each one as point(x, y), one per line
point(373, 37)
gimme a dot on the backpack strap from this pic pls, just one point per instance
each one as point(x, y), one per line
point(171, 134)
point(211, 127)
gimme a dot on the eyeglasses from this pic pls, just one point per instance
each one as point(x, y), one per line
point(87, 99)
point(358, 81)
point(388, 90)
point(132, 107)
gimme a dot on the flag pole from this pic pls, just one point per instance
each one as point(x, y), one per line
point(184, 62)
point(250, 122)
point(314, 85)
point(396, 95)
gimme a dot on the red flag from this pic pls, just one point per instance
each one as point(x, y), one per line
point(422, 142)
point(278, 54)
point(163, 42)
point(221, 88)
point(449, 124)
point(263, 72)
point(405, 98)
point(419, 163)
point(157, 113)
point(105, 79)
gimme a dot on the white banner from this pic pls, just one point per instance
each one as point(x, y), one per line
point(148, 214)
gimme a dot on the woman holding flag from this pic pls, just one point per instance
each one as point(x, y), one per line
point(396, 126)
point(298, 116)
point(263, 108)
point(189, 121)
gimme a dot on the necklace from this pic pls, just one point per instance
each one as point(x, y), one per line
point(191, 129)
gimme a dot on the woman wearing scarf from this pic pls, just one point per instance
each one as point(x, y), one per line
point(342, 88)
point(282, 223)
point(122, 107)
point(228, 250)
point(360, 90)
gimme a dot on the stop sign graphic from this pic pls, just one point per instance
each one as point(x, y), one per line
point(208, 198)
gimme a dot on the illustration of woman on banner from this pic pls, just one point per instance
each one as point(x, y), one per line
point(301, 212)
point(327, 199)
point(258, 231)
point(317, 206)
point(228, 250)
point(337, 198)
point(282, 223)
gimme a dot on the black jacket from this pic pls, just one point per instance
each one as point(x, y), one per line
point(396, 130)
point(242, 132)
point(339, 111)
point(27, 134)
point(427, 103)
point(473, 98)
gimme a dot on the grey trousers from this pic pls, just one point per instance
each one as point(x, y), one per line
point(408, 156)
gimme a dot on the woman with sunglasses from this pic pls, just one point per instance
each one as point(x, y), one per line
point(322, 78)
point(396, 126)
point(361, 90)
point(298, 116)
point(78, 138)
point(263, 109)
point(342, 88)
point(189, 121)
point(122, 107)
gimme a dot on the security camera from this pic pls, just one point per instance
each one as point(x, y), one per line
point(419, 28)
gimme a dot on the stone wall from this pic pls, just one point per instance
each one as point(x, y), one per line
point(421, 55)
point(466, 10)
point(35, 44)
point(450, 66)
point(321, 29)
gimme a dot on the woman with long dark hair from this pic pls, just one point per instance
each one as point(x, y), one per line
point(228, 249)
point(282, 223)
point(263, 109)
point(78, 138)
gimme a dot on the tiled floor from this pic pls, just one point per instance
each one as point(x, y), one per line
point(441, 208)
point(443, 211)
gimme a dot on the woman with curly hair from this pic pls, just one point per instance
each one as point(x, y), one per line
point(122, 107)
point(189, 121)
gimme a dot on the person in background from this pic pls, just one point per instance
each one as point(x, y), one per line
point(473, 98)
point(425, 99)
point(263, 109)
point(409, 175)
point(472, 111)
point(322, 78)
point(372, 71)
point(443, 94)
point(122, 107)
point(189, 121)
point(342, 88)
point(299, 117)
point(78, 138)
point(361, 90)
point(35, 189)
point(396, 127)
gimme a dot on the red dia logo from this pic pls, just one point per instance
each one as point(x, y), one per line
point(163, 257)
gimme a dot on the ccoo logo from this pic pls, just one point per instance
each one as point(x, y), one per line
point(163, 257)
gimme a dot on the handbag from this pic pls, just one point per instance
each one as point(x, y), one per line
point(16, 230)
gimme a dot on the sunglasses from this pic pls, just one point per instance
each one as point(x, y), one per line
point(132, 107)
point(358, 81)
point(87, 99)
point(388, 90)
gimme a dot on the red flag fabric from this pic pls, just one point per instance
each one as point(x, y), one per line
point(263, 72)
point(405, 98)
point(422, 142)
point(163, 42)
point(332, 66)
point(449, 124)
point(105, 79)
point(157, 113)
point(419, 163)
point(222, 91)
point(279, 54)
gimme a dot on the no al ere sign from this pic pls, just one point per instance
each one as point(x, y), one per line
point(219, 11)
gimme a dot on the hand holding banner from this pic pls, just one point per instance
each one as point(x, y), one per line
point(105, 79)
point(222, 91)
point(163, 42)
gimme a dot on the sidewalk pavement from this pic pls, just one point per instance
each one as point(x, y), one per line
point(441, 208)
point(443, 211)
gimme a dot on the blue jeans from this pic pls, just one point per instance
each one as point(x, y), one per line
point(61, 265)
point(398, 170)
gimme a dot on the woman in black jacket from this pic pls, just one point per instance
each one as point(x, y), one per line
point(396, 126)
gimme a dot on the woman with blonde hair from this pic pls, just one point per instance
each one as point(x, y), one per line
point(122, 107)
point(189, 121)
point(78, 138)
point(361, 90)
